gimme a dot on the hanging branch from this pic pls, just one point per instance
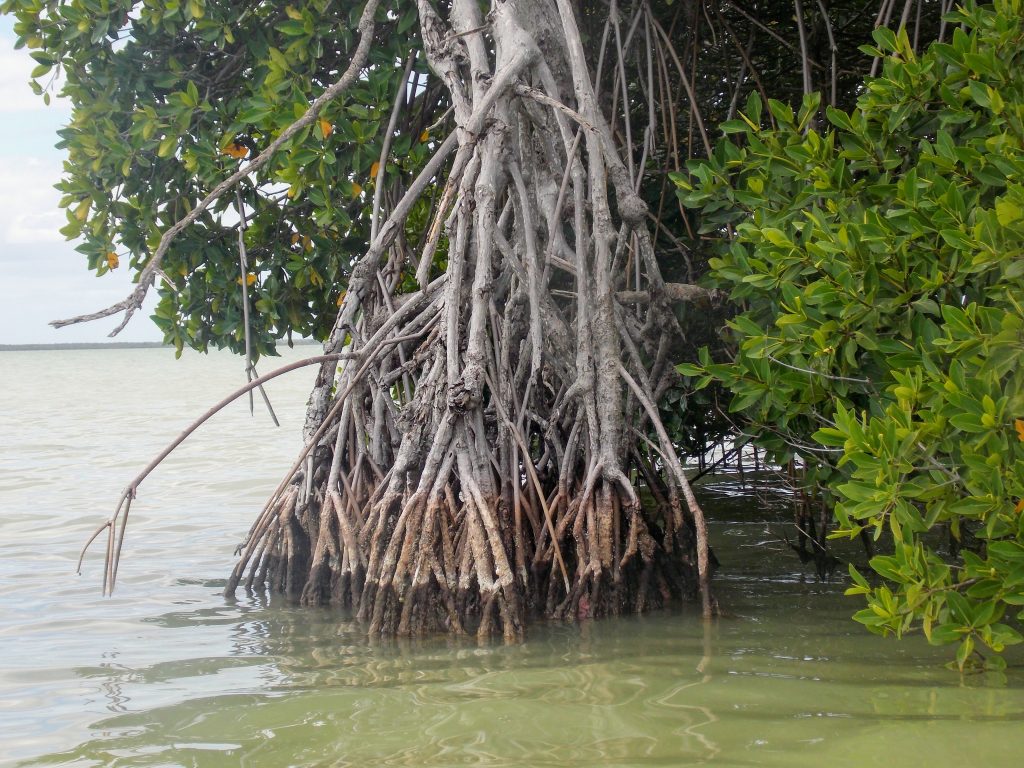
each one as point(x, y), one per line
point(243, 263)
point(129, 493)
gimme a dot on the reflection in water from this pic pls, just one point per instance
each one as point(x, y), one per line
point(655, 690)
point(113, 676)
point(606, 693)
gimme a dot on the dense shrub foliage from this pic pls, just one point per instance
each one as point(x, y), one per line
point(879, 262)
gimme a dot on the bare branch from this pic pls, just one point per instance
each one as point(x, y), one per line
point(129, 492)
point(681, 292)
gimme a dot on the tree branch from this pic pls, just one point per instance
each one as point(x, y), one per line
point(148, 274)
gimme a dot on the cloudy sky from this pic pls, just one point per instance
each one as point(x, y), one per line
point(42, 278)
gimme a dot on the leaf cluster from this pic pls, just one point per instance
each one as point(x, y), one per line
point(169, 97)
point(878, 258)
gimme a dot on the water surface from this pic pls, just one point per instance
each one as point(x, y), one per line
point(169, 673)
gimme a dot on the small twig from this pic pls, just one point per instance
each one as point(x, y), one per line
point(167, 281)
point(464, 33)
point(243, 267)
point(120, 539)
point(829, 376)
point(243, 262)
point(81, 555)
point(809, 538)
point(440, 121)
point(543, 98)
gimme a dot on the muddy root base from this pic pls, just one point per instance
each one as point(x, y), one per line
point(446, 575)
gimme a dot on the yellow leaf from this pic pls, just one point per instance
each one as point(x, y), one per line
point(82, 211)
point(373, 169)
point(112, 260)
point(341, 298)
point(236, 150)
point(424, 137)
point(293, 13)
point(326, 127)
point(295, 238)
point(250, 278)
point(1020, 507)
point(357, 189)
point(307, 243)
point(1019, 426)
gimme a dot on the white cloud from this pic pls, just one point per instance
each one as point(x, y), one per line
point(15, 72)
point(28, 201)
point(35, 228)
point(51, 281)
point(41, 275)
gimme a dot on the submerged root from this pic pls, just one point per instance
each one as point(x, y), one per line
point(441, 562)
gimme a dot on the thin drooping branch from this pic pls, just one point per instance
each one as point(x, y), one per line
point(834, 51)
point(243, 268)
point(687, 85)
point(378, 182)
point(669, 455)
point(131, 489)
point(805, 62)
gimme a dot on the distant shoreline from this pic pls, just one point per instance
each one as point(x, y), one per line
point(110, 345)
point(94, 345)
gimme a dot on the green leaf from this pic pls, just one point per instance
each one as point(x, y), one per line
point(167, 146)
point(777, 237)
point(688, 369)
point(957, 239)
point(1008, 212)
point(839, 119)
point(886, 39)
point(964, 651)
point(782, 112)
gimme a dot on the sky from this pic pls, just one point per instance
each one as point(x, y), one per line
point(42, 277)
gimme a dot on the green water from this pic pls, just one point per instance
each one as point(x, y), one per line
point(168, 673)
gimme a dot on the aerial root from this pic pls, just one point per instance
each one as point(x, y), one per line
point(439, 561)
point(480, 461)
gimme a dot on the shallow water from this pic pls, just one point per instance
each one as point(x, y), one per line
point(169, 673)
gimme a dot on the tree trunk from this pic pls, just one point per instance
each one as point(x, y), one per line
point(481, 459)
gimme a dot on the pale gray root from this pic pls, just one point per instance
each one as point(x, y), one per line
point(477, 462)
